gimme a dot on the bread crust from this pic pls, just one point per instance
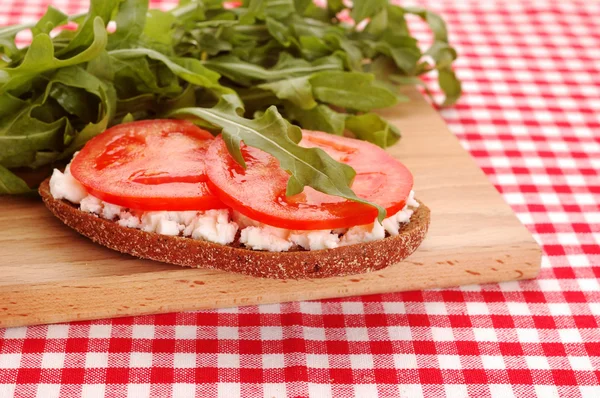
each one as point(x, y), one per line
point(346, 260)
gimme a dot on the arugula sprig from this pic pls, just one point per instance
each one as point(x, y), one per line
point(279, 60)
point(307, 166)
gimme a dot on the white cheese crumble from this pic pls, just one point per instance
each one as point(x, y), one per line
point(221, 226)
point(258, 236)
point(392, 224)
point(363, 233)
point(266, 238)
point(212, 225)
point(110, 211)
point(128, 220)
point(64, 186)
point(90, 204)
point(316, 240)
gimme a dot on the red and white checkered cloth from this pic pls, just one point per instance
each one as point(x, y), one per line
point(530, 116)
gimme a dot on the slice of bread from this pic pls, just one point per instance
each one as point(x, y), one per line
point(347, 260)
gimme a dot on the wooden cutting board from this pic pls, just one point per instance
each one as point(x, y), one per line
point(50, 274)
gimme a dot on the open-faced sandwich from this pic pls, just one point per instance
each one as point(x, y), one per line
point(169, 191)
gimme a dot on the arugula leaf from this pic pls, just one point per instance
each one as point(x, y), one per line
point(134, 76)
point(271, 133)
point(77, 77)
point(260, 9)
point(189, 10)
point(396, 19)
point(51, 19)
point(8, 33)
point(311, 27)
point(9, 49)
point(402, 49)
point(280, 32)
point(363, 9)
point(131, 22)
point(379, 23)
point(351, 51)
point(74, 101)
point(40, 58)
point(442, 54)
point(142, 106)
point(452, 88)
point(88, 132)
point(22, 135)
point(335, 6)
point(313, 47)
point(279, 9)
point(373, 128)
point(317, 13)
point(255, 10)
point(246, 73)
point(160, 27)
point(100, 10)
point(257, 100)
point(37, 132)
point(412, 81)
point(301, 5)
point(296, 90)
point(435, 22)
point(149, 106)
point(351, 90)
point(320, 118)
point(450, 85)
point(128, 118)
point(11, 31)
point(189, 69)
point(10, 184)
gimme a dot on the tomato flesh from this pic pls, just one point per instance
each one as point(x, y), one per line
point(148, 165)
point(259, 190)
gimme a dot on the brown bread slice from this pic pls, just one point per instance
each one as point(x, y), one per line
point(347, 260)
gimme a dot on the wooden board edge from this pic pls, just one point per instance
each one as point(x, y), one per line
point(176, 291)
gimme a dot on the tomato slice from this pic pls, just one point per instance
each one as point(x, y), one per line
point(148, 165)
point(258, 191)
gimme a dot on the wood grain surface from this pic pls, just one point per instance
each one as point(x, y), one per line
point(50, 274)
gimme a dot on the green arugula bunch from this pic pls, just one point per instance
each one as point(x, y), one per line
point(248, 71)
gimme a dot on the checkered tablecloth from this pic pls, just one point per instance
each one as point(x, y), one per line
point(530, 116)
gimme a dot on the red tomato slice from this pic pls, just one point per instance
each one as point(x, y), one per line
point(258, 191)
point(148, 165)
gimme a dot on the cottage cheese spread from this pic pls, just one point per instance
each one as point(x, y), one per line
point(258, 236)
point(212, 225)
point(221, 226)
